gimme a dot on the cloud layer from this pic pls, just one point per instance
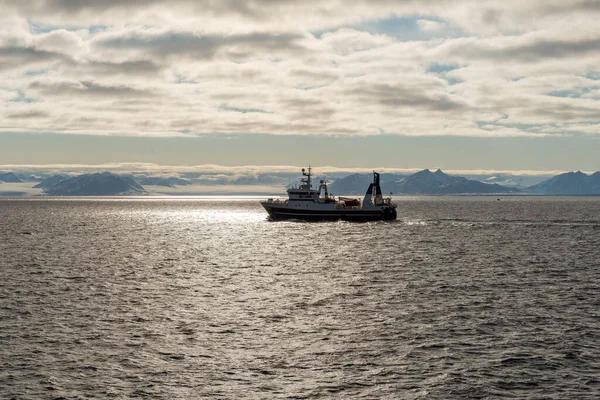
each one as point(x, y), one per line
point(226, 173)
point(180, 68)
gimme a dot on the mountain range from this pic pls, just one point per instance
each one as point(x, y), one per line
point(51, 181)
point(9, 177)
point(421, 183)
point(424, 182)
point(427, 182)
point(571, 183)
point(357, 184)
point(98, 184)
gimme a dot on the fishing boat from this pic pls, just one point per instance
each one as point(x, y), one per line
point(306, 203)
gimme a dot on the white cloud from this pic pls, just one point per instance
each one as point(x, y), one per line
point(62, 41)
point(345, 41)
point(430, 26)
point(152, 68)
point(221, 173)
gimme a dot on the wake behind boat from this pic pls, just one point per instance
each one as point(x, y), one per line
point(306, 203)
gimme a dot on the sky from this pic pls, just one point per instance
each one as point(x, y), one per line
point(457, 85)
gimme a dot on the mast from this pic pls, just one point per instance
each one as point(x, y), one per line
point(307, 179)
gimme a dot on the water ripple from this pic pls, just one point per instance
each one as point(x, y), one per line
point(179, 299)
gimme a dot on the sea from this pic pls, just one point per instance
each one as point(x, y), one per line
point(205, 298)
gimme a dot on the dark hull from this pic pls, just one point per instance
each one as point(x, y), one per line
point(276, 213)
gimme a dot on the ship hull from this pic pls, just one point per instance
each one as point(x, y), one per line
point(359, 215)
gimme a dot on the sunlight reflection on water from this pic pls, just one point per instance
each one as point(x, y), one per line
point(188, 298)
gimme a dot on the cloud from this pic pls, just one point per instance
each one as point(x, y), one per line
point(86, 89)
point(486, 16)
point(345, 40)
point(18, 57)
point(407, 98)
point(28, 115)
point(136, 67)
point(521, 49)
point(430, 26)
point(61, 41)
point(223, 173)
point(183, 68)
point(197, 47)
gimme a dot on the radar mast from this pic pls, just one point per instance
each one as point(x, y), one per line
point(306, 181)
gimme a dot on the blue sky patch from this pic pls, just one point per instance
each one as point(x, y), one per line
point(37, 28)
point(439, 68)
point(225, 107)
point(594, 75)
point(21, 98)
point(571, 93)
point(36, 72)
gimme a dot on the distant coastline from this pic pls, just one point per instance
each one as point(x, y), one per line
point(423, 183)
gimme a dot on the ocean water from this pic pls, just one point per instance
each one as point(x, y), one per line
point(460, 298)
